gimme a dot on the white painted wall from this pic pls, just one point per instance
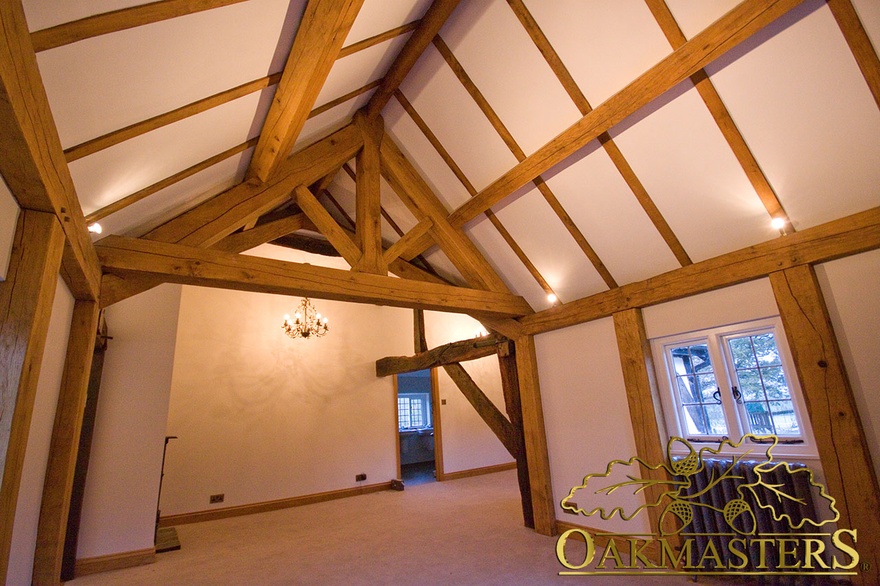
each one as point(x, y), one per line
point(467, 440)
point(121, 493)
point(30, 493)
point(262, 417)
point(851, 287)
point(8, 219)
point(586, 414)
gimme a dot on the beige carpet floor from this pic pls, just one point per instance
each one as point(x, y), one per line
point(466, 531)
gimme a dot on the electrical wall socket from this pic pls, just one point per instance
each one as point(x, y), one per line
point(215, 498)
point(360, 477)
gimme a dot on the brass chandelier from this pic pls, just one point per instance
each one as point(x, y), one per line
point(306, 322)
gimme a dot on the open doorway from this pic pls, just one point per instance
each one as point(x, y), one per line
point(418, 428)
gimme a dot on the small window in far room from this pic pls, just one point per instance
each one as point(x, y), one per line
point(414, 411)
point(731, 381)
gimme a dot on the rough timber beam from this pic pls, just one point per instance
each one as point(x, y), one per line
point(434, 19)
point(321, 32)
point(834, 416)
point(213, 220)
point(460, 351)
point(851, 235)
point(31, 159)
point(484, 406)
point(221, 215)
point(368, 205)
point(727, 32)
point(423, 203)
point(25, 308)
point(210, 268)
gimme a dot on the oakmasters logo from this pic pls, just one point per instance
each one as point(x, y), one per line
point(738, 514)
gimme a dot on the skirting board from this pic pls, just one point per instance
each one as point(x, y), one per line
point(477, 471)
point(263, 507)
point(114, 561)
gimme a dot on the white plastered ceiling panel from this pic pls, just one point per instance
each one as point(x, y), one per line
point(460, 126)
point(819, 149)
point(108, 82)
point(506, 66)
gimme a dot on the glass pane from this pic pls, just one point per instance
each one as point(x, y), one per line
point(741, 350)
point(715, 415)
point(694, 420)
point(774, 383)
point(708, 388)
point(687, 390)
point(784, 418)
point(750, 384)
point(759, 418)
point(700, 358)
point(765, 348)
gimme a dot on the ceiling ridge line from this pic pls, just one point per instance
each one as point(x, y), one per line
point(583, 105)
point(519, 154)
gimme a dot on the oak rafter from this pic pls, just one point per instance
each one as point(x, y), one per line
point(319, 39)
point(727, 32)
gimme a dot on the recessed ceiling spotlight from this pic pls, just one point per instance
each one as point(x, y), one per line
point(95, 228)
point(777, 223)
point(552, 298)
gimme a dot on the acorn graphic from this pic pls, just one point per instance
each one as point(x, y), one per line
point(680, 510)
point(739, 515)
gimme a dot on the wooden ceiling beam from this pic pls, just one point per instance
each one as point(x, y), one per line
point(623, 167)
point(368, 218)
point(725, 33)
point(460, 351)
point(325, 223)
point(416, 194)
point(134, 130)
point(520, 155)
point(456, 170)
point(241, 241)
point(400, 248)
point(143, 127)
point(225, 213)
point(210, 268)
point(431, 23)
point(31, 160)
point(221, 215)
point(846, 236)
point(321, 32)
point(119, 20)
point(729, 130)
point(137, 196)
point(412, 250)
point(377, 39)
point(859, 43)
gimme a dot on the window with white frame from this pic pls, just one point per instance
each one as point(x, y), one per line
point(730, 381)
point(414, 411)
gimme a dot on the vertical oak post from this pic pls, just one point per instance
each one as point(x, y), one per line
point(535, 436)
point(368, 216)
point(643, 397)
point(513, 403)
point(63, 449)
point(25, 309)
point(843, 450)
